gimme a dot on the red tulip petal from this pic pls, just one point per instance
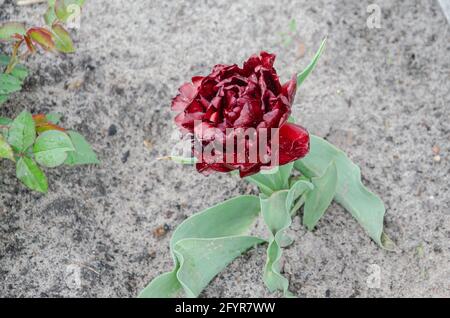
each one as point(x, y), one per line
point(179, 103)
point(289, 89)
point(186, 120)
point(293, 143)
point(253, 169)
point(188, 90)
point(197, 81)
point(208, 132)
point(251, 64)
point(267, 59)
point(250, 114)
point(272, 118)
point(206, 169)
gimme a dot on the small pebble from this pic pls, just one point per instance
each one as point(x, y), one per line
point(161, 230)
point(169, 214)
point(125, 156)
point(112, 130)
point(437, 158)
point(148, 144)
point(436, 150)
point(301, 50)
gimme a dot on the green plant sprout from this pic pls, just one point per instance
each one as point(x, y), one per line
point(25, 41)
point(33, 142)
point(37, 141)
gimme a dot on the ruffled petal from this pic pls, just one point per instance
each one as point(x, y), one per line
point(179, 103)
point(188, 90)
point(186, 121)
point(289, 89)
point(267, 59)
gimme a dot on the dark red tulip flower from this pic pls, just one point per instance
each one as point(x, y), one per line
point(238, 117)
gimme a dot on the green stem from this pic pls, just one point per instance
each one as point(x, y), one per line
point(14, 60)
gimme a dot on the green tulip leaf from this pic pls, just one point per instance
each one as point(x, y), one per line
point(51, 147)
point(278, 219)
point(305, 73)
point(297, 192)
point(367, 208)
point(22, 132)
point(204, 244)
point(272, 180)
point(202, 259)
point(319, 199)
point(31, 175)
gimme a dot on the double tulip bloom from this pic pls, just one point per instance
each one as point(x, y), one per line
point(232, 102)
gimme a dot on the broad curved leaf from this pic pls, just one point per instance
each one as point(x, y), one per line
point(278, 219)
point(319, 199)
point(206, 243)
point(365, 206)
point(202, 259)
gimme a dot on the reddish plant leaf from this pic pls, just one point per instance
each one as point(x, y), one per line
point(43, 37)
point(30, 44)
point(43, 124)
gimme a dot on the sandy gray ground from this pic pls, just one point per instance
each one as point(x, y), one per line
point(382, 95)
